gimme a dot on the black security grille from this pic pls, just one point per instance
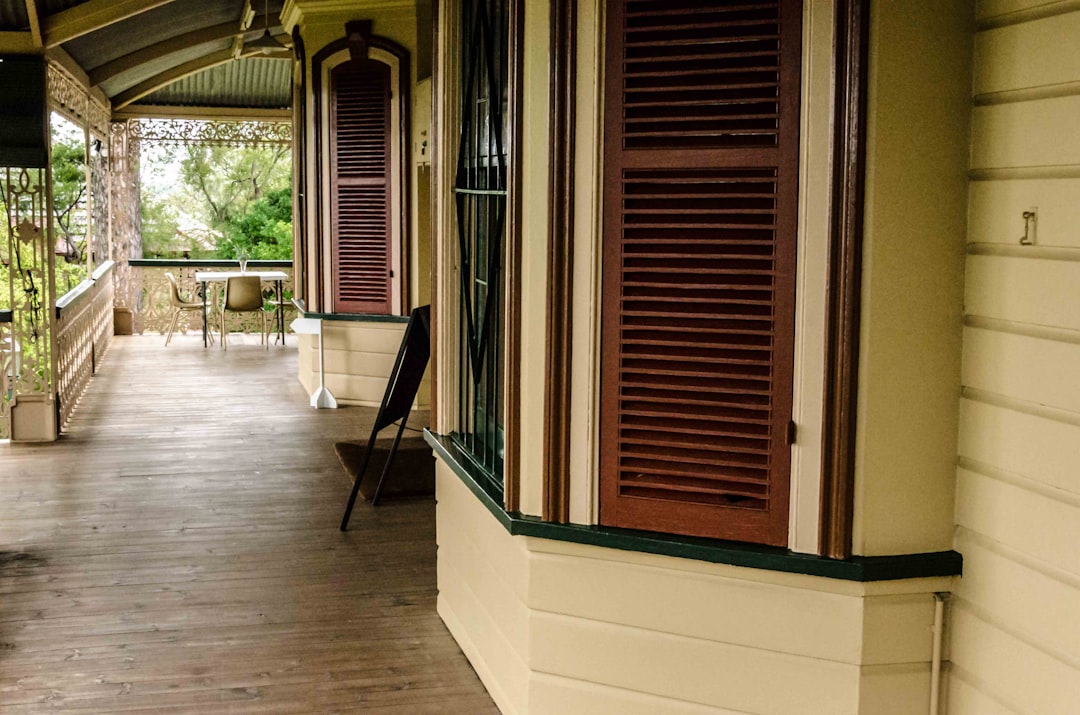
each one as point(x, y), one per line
point(480, 191)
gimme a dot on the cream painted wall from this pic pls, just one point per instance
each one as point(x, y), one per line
point(359, 356)
point(916, 198)
point(322, 22)
point(554, 627)
point(1016, 612)
point(358, 359)
point(535, 179)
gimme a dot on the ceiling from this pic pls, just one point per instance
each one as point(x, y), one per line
point(182, 53)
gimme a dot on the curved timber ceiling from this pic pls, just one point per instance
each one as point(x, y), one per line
point(189, 53)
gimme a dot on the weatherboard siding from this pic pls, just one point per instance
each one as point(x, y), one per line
point(358, 360)
point(1015, 616)
point(554, 627)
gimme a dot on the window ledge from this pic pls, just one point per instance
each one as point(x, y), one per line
point(355, 317)
point(857, 568)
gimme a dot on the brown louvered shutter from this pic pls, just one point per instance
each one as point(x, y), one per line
point(360, 155)
point(700, 191)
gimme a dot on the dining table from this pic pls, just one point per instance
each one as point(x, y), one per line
point(277, 277)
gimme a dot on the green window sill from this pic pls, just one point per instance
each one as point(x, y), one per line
point(857, 568)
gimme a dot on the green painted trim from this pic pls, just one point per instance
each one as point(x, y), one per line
point(857, 568)
point(103, 270)
point(5, 316)
point(208, 263)
point(354, 317)
point(446, 449)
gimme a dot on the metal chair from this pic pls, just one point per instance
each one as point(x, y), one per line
point(275, 307)
point(180, 305)
point(243, 294)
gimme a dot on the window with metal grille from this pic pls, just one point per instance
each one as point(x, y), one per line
point(480, 198)
point(701, 150)
point(361, 203)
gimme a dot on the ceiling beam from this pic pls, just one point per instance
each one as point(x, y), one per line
point(18, 43)
point(35, 24)
point(187, 69)
point(89, 16)
point(154, 52)
point(214, 113)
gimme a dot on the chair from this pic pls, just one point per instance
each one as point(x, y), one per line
point(275, 307)
point(179, 305)
point(243, 294)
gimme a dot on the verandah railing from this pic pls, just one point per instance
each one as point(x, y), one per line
point(7, 372)
point(84, 324)
point(84, 329)
point(154, 308)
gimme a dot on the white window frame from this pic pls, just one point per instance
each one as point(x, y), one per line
point(814, 225)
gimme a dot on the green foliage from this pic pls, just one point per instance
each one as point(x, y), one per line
point(68, 276)
point(69, 215)
point(264, 231)
point(215, 201)
point(69, 188)
point(159, 227)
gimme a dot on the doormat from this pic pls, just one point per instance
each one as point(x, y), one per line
point(411, 475)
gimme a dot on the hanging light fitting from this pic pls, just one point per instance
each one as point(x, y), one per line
point(266, 43)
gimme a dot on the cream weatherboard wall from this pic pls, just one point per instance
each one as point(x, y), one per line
point(557, 627)
point(913, 269)
point(358, 359)
point(1016, 613)
point(359, 355)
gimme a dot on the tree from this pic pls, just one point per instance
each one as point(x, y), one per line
point(69, 192)
point(224, 181)
point(264, 231)
point(160, 228)
point(198, 200)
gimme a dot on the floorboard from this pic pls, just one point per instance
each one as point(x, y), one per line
point(177, 551)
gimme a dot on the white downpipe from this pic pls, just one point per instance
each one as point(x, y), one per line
point(935, 657)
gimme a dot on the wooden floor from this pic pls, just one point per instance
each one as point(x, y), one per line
point(178, 551)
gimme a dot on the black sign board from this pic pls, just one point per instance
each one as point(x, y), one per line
point(401, 389)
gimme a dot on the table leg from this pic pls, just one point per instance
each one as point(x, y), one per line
point(204, 314)
point(280, 314)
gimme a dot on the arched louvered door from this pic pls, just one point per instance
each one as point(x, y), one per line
point(701, 150)
point(360, 135)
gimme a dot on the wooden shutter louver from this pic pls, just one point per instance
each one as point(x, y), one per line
point(701, 147)
point(360, 148)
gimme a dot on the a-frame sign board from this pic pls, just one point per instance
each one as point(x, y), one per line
point(412, 360)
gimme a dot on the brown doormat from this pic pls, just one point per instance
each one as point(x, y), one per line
point(412, 473)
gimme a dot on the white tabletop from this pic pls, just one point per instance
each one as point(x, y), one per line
point(208, 276)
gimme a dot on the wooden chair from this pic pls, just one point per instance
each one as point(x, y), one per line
point(243, 294)
point(180, 305)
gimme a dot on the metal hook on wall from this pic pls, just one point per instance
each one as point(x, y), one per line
point(1031, 219)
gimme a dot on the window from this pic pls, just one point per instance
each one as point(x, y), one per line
point(362, 217)
point(480, 202)
point(700, 197)
point(359, 190)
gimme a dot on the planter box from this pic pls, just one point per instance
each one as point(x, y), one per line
point(123, 321)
